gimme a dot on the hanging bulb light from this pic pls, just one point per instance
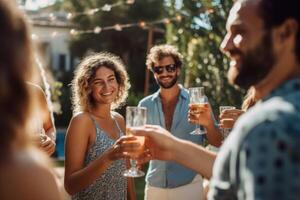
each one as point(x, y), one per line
point(73, 32)
point(97, 30)
point(142, 24)
point(130, 2)
point(93, 11)
point(52, 17)
point(178, 18)
point(210, 11)
point(34, 36)
point(166, 21)
point(106, 7)
point(69, 16)
point(118, 27)
point(54, 34)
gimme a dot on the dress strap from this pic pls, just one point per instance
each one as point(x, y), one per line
point(95, 124)
point(121, 133)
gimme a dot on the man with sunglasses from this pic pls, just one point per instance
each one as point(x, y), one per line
point(168, 107)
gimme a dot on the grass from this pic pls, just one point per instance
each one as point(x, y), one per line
point(139, 187)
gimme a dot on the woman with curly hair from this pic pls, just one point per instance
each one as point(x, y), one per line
point(93, 166)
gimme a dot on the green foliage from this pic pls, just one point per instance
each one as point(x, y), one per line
point(130, 43)
point(63, 118)
point(198, 38)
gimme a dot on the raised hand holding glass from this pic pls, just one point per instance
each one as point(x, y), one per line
point(197, 99)
point(135, 116)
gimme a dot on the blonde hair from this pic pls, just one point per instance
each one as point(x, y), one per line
point(250, 99)
point(160, 51)
point(85, 73)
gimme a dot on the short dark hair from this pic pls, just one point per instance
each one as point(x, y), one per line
point(275, 12)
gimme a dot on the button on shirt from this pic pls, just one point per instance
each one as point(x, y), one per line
point(261, 157)
point(170, 174)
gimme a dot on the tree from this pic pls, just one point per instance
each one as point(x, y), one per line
point(198, 38)
point(129, 43)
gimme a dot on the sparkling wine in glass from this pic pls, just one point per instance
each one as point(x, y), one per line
point(197, 99)
point(135, 116)
point(225, 131)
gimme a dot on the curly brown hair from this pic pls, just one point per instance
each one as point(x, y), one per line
point(15, 69)
point(158, 52)
point(85, 73)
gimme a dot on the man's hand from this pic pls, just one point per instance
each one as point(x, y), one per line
point(158, 142)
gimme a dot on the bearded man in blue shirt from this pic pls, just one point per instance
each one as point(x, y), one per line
point(261, 157)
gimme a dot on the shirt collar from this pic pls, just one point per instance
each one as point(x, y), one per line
point(183, 93)
point(287, 87)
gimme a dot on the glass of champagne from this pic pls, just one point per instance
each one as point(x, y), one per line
point(225, 131)
point(197, 99)
point(135, 116)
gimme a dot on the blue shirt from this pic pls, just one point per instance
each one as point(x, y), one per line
point(261, 157)
point(170, 174)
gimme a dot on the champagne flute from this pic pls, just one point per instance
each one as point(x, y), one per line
point(197, 99)
point(225, 131)
point(135, 116)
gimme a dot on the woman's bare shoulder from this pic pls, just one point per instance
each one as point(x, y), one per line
point(81, 117)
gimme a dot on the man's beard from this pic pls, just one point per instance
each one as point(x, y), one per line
point(169, 84)
point(256, 63)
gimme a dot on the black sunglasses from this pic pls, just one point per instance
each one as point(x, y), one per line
point(160, 69)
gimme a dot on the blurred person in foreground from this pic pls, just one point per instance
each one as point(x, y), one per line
point(94, 166)
point(168, 107)
point(24, 171)
point(261, 157)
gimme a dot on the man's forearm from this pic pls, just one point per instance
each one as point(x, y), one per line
point(194, 157)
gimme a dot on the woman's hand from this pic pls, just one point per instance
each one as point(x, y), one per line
point(124, 147)
point(47, 144)
point(229, 117)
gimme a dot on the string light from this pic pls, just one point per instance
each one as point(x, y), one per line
point(106, 7)
point(34, 37)
point(97, 30)
point(210, 11)
point(73, 32)
point(130, 2)
point(166, 21)
point(54, 34)
point(69, 16)
point(52, 17)
point(178, 18)
point(142, 24)
point(117, 27)
point(93, 11)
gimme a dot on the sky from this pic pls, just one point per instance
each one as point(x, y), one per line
point(35, 4)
